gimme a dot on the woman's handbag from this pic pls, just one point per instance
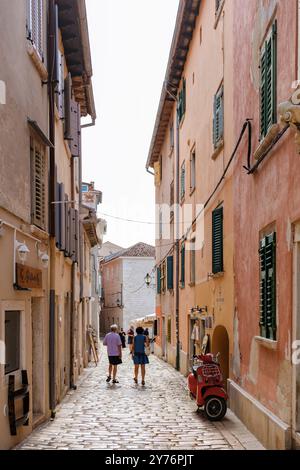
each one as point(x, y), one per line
point(147, 350)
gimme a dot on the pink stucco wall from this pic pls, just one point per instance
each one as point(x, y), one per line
point(269, 197)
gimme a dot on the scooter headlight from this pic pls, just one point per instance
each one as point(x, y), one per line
point(200, 379)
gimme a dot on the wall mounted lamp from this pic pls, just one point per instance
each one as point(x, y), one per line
point(22, 250)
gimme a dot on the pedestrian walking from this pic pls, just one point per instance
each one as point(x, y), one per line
point(123, 338)
point(139, 355)
point(114, 351)
point(146, 332)
point(130, 335)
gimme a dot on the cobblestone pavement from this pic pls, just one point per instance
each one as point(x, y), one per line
point(159, 416)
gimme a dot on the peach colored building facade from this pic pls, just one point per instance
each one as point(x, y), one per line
point(197, 156)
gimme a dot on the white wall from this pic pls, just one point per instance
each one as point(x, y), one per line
point(138, 299)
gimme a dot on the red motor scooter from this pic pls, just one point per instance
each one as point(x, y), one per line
point(206, 386)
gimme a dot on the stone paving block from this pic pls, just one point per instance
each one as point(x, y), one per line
point(101, 416)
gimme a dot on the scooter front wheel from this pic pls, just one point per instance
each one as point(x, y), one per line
point(215, 408)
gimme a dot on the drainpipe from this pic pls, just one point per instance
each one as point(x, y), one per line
point(51, 90)
point(177, 248)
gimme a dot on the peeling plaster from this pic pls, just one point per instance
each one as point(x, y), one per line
point(254, 362)
point(283, 392)
point(236, 361)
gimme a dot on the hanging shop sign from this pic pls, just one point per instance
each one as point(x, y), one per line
point(28, 278)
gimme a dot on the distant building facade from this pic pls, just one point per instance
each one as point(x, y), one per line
point(126, 295)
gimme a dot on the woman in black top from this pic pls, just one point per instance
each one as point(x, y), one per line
point(123, 338)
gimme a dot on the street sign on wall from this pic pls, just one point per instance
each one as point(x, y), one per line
point(29, 278)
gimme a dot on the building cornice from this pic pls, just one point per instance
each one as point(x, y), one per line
point(185, 24)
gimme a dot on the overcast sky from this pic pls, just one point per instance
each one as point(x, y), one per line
point(130, 43)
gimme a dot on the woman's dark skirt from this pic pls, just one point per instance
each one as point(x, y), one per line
point(140, 359)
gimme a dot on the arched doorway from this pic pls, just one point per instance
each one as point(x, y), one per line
point(220, 344)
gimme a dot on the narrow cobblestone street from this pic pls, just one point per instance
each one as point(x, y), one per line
point(126, 416)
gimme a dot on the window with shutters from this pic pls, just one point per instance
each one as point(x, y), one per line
point(182, 181)
point(38, 184)
point(193, 262)
point(217, 241)
point(170, 270)
point(182, 277)
point(218, 121)
point(268, 82)
point(181, 105)
point(193, 170)
point(169, 330)
point(34, 25)
point(267, 256)
point(60, 89)
point(158, 280)
point(12, 341)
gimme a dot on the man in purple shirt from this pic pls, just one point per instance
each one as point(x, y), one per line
point(114, 351)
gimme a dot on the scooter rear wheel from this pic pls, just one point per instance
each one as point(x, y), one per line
point(215, 408)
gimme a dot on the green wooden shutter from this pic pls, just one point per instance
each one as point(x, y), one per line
point(170, 261)
point(268, 93)
point(182, 265)
point(182, 181)
point(267, 254)
point(218, 119)
point(217, 240)
point(158, 280)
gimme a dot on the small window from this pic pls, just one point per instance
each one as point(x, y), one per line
point(181, 107)
point(34, 25)
point(217, 241)
point(170, 270)
point(182, 280)
point(268, 82)
point(38, 184)
point(193, 170)
point(169, 330)
point(12, 341)
point(218, 122)
point(193, 262)
point(158, 280)
point(267, 255)
point(182, 181)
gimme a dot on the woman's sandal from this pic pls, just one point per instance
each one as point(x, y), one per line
point(135, 380)
point(143, 382)
point(115, 382)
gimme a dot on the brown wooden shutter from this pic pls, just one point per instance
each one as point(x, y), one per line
point(76, 236)
point(57, 210)
point(67, 231)
point(72, 233)
point(75, 128)
point(68, 98)
point(38, 175)
point(62, 213)
point(56, 65)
